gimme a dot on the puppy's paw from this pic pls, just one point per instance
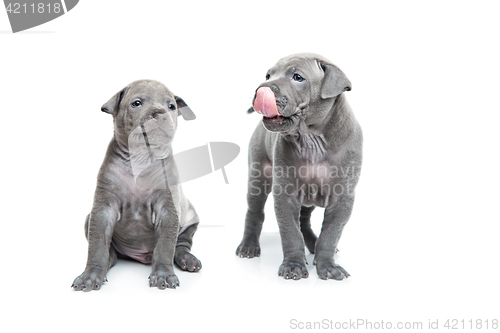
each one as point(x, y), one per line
point(90, 279)
point(188, 262)
point(293, 270)
point(329, 270)
point(162, 279)
point(248, 249)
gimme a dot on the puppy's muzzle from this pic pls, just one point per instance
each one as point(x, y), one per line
point(152, 114)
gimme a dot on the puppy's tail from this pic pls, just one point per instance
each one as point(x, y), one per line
point(251, 110)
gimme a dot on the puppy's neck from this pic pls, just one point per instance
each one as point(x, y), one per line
point(120, 149)
point(309, 146)
point(311, 141)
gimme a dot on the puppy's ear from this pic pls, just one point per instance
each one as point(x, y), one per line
point(334, 82)
point(184, 109)
point(113, 105)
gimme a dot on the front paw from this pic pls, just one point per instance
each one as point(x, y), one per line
point(329, 270)
point(162, 279)
point(293, 270)
point(90, 279)
point(248, 249)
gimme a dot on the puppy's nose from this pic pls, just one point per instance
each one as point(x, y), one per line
point(274, 88)
point(156, 112)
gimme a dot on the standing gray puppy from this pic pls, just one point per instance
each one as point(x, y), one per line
point(307, 151)
point(139, 209)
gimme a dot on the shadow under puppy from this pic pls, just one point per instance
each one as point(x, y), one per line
point(307, 151)
point(139, 210)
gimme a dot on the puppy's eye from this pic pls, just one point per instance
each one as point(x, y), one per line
point(136, 103)
point(267, 76)
point(171, 107)
point(298, 78)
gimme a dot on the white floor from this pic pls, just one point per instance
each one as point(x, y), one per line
point(393, 282)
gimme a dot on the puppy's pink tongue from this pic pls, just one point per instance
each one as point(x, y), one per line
point(265, 103)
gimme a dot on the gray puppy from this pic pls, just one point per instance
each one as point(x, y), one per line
point(139, 210)
point(307, 151)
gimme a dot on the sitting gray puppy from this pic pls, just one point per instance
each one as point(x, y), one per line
point(139, 210)
point(307, 151)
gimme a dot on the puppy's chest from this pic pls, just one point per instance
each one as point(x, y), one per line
point(316, 179)
point(141, 206)
point(137, 220)
point(314, 183)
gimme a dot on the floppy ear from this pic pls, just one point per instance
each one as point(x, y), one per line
point(184, 109)
point(113, 105)
point(334, 82)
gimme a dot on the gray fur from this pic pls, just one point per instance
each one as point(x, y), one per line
point(152, 225)
point(312, 157)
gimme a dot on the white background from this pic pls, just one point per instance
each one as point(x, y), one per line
point(422, 242)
